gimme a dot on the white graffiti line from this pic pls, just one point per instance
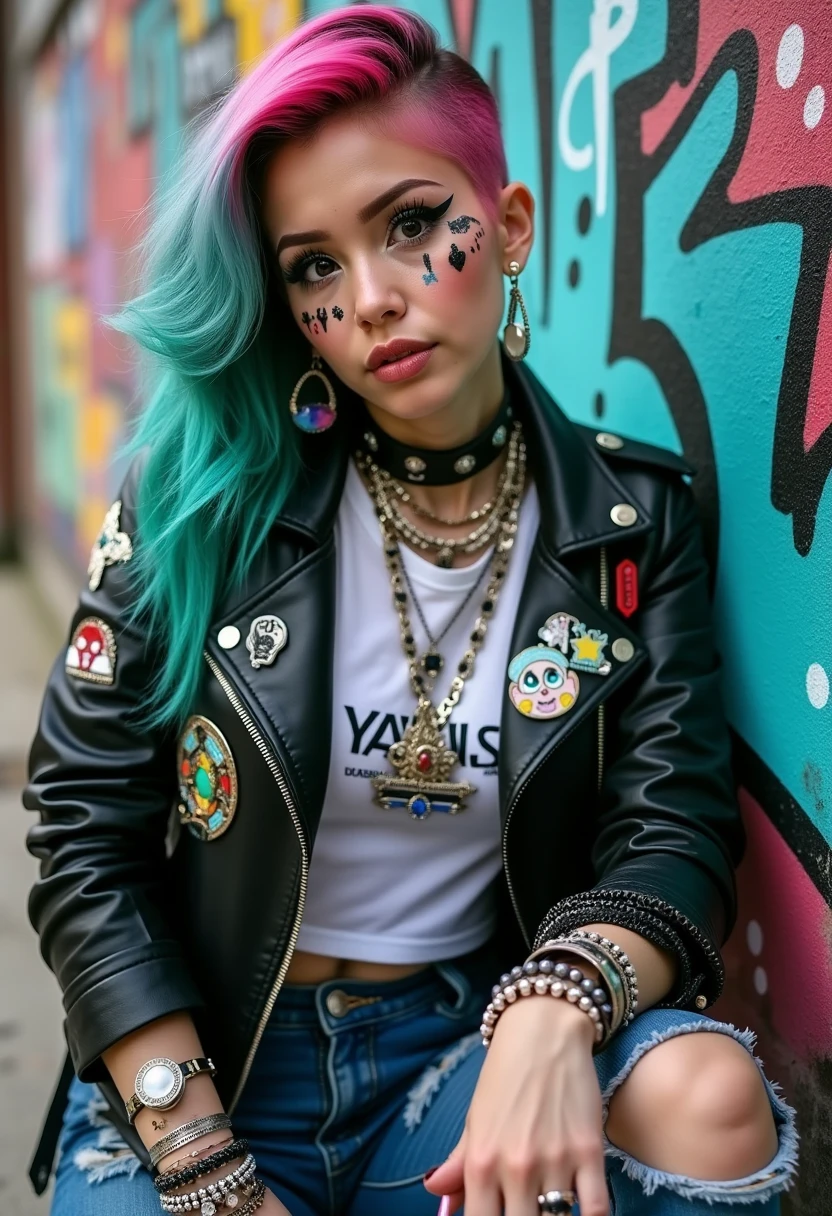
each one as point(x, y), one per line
point(605, 37)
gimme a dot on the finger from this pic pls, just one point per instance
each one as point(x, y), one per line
point(482, 1188)
point(447, 1178)
point(591, 1185)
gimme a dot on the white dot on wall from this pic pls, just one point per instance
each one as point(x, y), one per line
point(813, 108)
point(760, 981)
point(754, 937)
point(817, 685)
point(790, 56)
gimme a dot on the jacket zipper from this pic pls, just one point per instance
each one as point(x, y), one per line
point(605, 603)
point(242, 713)
point(604, 597)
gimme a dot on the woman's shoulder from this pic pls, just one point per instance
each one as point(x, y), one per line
point(623, 448)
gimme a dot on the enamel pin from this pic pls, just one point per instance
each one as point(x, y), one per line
point(91, 654)
point(626, 587)
point(543, 680)
point(266, 638)
point(207, 779)
point(111, 546)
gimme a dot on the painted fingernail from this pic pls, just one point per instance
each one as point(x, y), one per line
point(429, 1173)
point(445, 1206)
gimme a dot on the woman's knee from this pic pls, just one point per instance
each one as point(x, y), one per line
point(696, 1105)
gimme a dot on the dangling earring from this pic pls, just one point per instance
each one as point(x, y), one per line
point(316, 416)
point(516, 340)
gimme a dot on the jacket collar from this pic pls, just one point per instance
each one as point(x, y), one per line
point(576, 489)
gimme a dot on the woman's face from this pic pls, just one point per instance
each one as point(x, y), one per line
point(378, 242)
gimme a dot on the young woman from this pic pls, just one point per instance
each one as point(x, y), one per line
point(386, 820)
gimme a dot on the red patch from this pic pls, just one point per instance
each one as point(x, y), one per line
point(626, 587)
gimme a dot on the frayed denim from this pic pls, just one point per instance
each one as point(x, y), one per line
point(346, 1112)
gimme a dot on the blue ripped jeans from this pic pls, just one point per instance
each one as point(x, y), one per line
point(358, 1088)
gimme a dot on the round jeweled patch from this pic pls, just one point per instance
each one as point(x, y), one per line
point(207, 779)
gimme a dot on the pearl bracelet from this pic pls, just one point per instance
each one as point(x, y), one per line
point(215, 1194)
point(557, 980)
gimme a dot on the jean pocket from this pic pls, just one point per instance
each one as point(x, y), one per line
point(464, 1001)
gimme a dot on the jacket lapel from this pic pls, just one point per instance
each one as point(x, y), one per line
point(577, 493)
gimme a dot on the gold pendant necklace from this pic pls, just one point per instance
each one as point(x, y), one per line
point(421, 759)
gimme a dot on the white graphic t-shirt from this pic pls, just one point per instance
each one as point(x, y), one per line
point(384, 887)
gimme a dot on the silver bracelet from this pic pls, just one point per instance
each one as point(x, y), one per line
point(208, 1198)
point(609, 958)
point(185, 1134)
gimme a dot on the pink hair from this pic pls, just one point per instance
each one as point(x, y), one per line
point(361, 56)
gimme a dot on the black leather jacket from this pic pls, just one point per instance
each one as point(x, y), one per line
point(135, 928)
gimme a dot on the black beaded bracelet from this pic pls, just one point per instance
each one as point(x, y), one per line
point(230, 1151)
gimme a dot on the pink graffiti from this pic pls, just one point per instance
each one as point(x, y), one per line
point(790, 140)
point(781, 945)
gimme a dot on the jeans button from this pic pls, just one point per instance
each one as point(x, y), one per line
point(336, 1003)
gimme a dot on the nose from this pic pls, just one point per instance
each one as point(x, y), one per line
point(377, 298)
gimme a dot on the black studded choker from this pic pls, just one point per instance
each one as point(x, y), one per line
point(432, 466)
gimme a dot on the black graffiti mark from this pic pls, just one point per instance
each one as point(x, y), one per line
point(790, 818)
point(544, 74)
point(599, 405)
point(307, 319)
point(456, 257)
point(584, 216)
point(337, 312)
point(574, 272)
point(430, 277)
point(462, 223)
point(320, 313)
point(798, 477)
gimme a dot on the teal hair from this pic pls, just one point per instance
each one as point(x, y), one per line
point(221, 354)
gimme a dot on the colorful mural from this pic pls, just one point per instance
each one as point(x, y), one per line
point(680, 291)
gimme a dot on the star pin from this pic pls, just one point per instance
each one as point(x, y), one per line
point(111, 546)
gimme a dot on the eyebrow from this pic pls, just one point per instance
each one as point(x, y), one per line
point(367, 213)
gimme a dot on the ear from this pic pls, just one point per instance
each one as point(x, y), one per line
point(516, 223)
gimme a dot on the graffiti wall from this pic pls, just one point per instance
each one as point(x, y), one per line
point(680, 291)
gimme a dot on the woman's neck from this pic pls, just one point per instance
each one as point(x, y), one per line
point(460, 420)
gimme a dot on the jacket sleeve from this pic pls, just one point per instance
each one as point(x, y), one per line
point(669, 832)
point(104, 789)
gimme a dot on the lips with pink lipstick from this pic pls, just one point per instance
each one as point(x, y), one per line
point(400, 359)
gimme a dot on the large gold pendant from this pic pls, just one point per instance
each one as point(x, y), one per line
point(423, 763)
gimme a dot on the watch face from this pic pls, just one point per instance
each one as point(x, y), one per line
point(159, 1083)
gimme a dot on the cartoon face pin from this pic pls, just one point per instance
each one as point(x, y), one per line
point(541, 684)
point(207, 779)
point(91, 654)
point(266, 638)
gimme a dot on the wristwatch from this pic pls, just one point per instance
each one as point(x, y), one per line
point(160, 1082)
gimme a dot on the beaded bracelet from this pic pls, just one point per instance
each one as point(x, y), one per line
point(182, 1163)
point(255, 1200)
point(171, 1179)
point(215, 1193)
point(540, 979)
point(621, 984)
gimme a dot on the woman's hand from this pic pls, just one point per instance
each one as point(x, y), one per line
point(534, 1123)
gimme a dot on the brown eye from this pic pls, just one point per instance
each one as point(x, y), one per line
point(321, 267)
point(411, 228)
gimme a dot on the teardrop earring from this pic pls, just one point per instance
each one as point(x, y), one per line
point(516, 341)
point(317, 416)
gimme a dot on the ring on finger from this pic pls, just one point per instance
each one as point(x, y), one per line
point(558, 1202)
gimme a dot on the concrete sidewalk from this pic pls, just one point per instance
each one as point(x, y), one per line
point(31, 1040)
